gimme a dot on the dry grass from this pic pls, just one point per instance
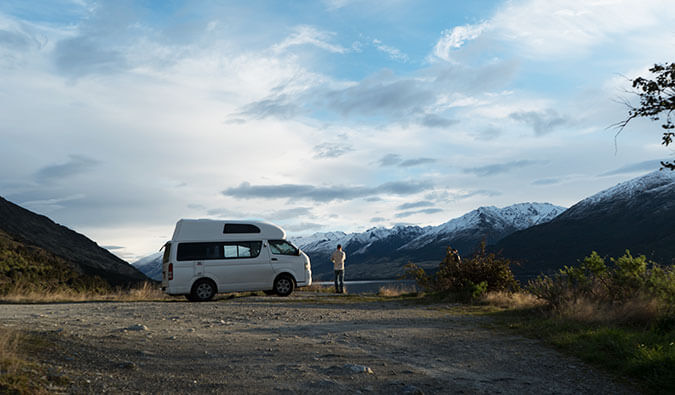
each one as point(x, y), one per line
point(512, 300)
point(144, 292)
point(634, 311)
point(319, 288)
point(17, 376)
point(397, 290)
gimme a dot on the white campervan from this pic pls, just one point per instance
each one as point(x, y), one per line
point(205, 257)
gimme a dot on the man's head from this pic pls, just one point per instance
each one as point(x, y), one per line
point(339, 247)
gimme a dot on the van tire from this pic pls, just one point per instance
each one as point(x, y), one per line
point(284, 285)
point(202, 290)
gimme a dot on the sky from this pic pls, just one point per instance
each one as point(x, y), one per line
point(117, 118)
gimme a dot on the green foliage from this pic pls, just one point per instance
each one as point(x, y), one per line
point(624, 279)
point(468, 279)
point(657, 102)
point(28, 268)
point(645, 355)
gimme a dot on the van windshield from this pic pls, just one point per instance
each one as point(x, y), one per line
point(282, 247)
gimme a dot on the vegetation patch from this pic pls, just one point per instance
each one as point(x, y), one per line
point(17, 374)
point(466, 280)
point(644, 355)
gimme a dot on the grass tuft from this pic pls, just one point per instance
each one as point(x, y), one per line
point(144, 292)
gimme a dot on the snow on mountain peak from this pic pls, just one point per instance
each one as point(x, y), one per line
point(653, 181)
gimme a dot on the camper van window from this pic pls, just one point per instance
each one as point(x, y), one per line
point(242, 249)
point(219, 250)
point(241, 228)
point(199, 251)
point(282, 247)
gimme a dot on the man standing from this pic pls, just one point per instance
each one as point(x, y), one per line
point(338, 259)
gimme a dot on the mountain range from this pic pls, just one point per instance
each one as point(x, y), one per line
point(382, 252)
point(27, 235)
point(638, 215)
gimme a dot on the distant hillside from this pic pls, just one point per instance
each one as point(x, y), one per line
point(81, 254)
point(151, 266)
point(28, 267)
point(382, 253)
point(638, 215)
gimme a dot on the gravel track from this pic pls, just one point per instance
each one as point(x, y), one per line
point(306, 343)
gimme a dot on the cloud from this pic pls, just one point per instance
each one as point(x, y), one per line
point(547, 181)
point(331, 150)
point(304, 226)
point(394, 53)
point(407, 206)
point(498, 168)
point(424, 211)
point(436, 121)
point(416, 162)
point(389, 160)
point(76, 165)
point(16, 40)
point(309, 35)
point(546, 28)
point(479, 192)
point(454, 38)
point(542, 122)
point(52, 204)
point(378, 219)
point(290, 213)
point(397, 160)
point(640, 167)
point(280, 106)
point(324, 194)
point(80, 56)
point(381, 94)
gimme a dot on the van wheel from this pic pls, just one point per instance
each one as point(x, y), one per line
point(202, 290)
point(284, 285)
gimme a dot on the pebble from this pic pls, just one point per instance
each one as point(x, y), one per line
point(137, 327)
point(358, 368)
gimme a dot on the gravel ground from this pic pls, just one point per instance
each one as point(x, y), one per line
point(306, 343)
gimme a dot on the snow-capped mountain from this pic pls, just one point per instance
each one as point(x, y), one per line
point(637, 215)
point(401, 244)
point(151, 266)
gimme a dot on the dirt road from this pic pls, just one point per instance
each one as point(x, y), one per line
point(307, 343)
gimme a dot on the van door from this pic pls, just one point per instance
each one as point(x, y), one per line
point(245, 266)
point(286, 257)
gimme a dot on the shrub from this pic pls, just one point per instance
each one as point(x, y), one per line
point(469, 279)
point(628, 287)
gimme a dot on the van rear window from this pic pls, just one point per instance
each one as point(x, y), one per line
point(218, 250)
point(241, 228)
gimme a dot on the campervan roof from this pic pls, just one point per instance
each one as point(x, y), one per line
point(217, 230)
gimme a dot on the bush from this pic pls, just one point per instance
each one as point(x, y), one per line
point(626, 282)
point(468, 280)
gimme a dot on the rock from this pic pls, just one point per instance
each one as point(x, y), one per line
point(137, 327)
point(358, 368)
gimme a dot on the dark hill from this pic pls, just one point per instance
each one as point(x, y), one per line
point(638, 215)
point(82, 254)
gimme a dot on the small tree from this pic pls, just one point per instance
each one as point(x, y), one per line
point(657, 102)
point(468, 279)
